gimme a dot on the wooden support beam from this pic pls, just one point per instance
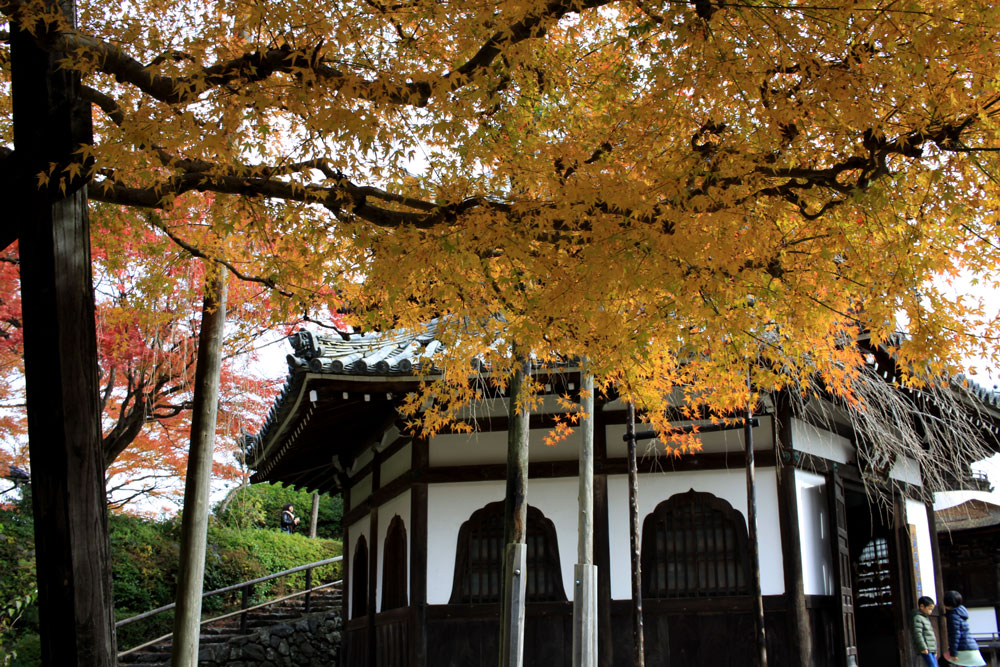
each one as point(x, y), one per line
point(638, 649)
point(51, 121)
point(585, 574)
point(799, 626)
point(760, 653)
point(515, 520)
point(197, 487)
point(939, 618)
point(418, 557)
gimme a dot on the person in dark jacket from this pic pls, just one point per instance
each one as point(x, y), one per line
point(962, 648)
point(288, 519)
point(923, 634)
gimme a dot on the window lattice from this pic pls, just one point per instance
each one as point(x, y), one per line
point(359, 579)
point(479, 560)
point(394, 583)
point(873, 583)
point(694, 545)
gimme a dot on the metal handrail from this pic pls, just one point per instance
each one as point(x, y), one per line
point(234, 587)
point(235, 613)
point(245, 587)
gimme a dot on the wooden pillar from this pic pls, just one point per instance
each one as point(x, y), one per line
point(418, 555)
point(585, 574)
point(373, 561)
point(760, 652)
point(197, 486)
point(942, 625)
point(638, 648)
point(903, 578)
point(799, 625)
point(314, 516)
point(515, 519)
point(345, 564)
point(602, 548)
point(76, 620)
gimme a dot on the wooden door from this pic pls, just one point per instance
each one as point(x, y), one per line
point(838, 525)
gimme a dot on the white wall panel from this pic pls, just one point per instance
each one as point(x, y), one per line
point(729, 485)
point(400, 505)
point(450, 505)
point(820, 442)
point(718, 441)
point(396, 465)
point(814, 533)
point(916, 516)
point(491, 447)
point(982, 620)
point(355, 531)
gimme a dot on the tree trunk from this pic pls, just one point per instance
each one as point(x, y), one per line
point(760, 649)
point(194, 522)
point(314, 516)
point(515, 520)
point(638, 648)
point(585, 581)
point(76, 619)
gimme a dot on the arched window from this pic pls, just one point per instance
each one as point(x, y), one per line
point(694, 545)
point(873, 576)
point(394, 566)
point(479, 558)
point(359, 579)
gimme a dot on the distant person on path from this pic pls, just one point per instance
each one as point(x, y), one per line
point(923, 634)
point(288, 519)
point(962, 648)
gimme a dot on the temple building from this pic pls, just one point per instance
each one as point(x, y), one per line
point(423, 523)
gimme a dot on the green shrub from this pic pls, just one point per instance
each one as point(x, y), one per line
point(259, 506)
point(144, 562)
point(26, 651)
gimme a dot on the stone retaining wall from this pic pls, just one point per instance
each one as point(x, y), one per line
point(312, 640)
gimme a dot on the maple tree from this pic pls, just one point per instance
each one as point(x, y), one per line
point(148, 291)
point(625, 180)
point(684, 193)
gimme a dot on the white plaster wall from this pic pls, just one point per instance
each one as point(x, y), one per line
point(450, 505)
point(400, 505)
point(396, 465)
point(361, 491)
point(355, 531)
point(729, 485)
point(906, 470)
point(719, 441)
point(982, 620)
point(491, 447)
point(814, 533)
point(916, 516)
point(500, 407)
point(820, 442)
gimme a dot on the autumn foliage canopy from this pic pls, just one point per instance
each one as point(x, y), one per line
point(680, 192)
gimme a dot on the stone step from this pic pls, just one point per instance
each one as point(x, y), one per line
point(222, 633)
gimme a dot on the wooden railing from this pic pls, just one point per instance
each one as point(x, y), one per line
point(246, 591)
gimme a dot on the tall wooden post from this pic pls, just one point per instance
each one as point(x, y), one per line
point(940, 619)
point(76, 620)
point(194, 523)
point(314, 516)
point(799, 625)
point(760, 652)
point(515, 520)
point(638, 649)
point(585, 573)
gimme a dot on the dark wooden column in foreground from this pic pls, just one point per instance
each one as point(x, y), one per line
point(799, 626)
point(60, 359)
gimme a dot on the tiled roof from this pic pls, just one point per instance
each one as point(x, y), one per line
point(392, 353)
point(396, 353)
point(970, 514)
